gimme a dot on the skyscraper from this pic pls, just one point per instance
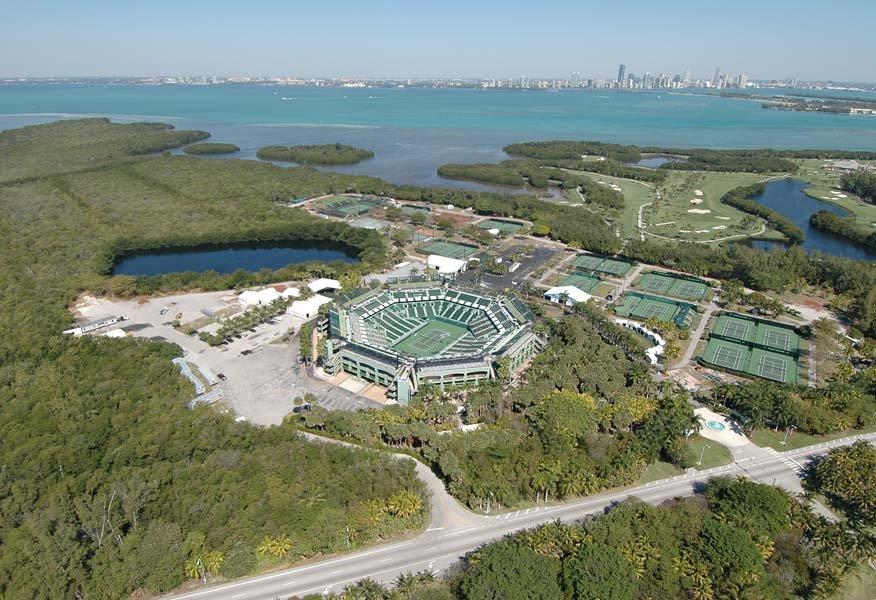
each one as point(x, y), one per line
point(575, 81)
point(621, 71)
point(717, 77)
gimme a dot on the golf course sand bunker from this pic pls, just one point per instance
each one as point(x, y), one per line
point(699, 211)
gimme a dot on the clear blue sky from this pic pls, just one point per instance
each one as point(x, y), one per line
point(809, 39)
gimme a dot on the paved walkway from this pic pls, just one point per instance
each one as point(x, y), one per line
point(695, 336)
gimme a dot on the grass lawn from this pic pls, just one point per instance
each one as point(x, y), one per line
point(659, 470)
point(636, 193)
point(859, 585)
point(678, 193)
point(773, 439)
point(823, 182)
point(715, 455)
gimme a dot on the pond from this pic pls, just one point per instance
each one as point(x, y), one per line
point(655, 161)
point(227, 258)
point(786, 196)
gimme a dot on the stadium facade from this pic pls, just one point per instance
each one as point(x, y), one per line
point(408, 335)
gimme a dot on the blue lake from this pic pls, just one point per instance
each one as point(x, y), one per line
point(229, 258)
point(786, 197)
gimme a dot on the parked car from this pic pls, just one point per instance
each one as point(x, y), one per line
point(302, 408)
point(245, 352)
point(222, 376)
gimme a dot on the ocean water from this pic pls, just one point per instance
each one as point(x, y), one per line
point(413, 131)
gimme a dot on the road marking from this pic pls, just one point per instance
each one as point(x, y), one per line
point(336, 572)
point(593, 502)
point(435, 529)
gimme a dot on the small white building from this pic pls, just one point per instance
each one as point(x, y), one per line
point(446, 265)
point(306, 309)
point(568, 294)
point(291, 292)
point(320, 285)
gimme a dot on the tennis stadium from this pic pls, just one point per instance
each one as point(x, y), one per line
point(407, 335)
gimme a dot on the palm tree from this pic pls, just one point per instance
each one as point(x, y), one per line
point(195, 569)
point(281, 546)
point(213, 561)
point(264, 548)
point(366, 589)
point(407, 583)
point(404, 504)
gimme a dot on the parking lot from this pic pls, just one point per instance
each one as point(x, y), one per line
point(260, 384)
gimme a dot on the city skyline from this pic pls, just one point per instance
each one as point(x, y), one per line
point(455, 40)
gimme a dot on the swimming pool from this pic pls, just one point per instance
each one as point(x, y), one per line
point(716, 425)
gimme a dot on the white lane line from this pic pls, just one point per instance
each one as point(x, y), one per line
point(231, 586)
point(336, 572)
point(374, 575)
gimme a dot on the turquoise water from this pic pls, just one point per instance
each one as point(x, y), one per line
point(412, 131)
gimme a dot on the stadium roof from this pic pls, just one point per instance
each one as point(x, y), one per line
point(324, 284)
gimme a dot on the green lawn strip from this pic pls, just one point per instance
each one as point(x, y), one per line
point(773, 439)
point(714, 455)
point(659, 470)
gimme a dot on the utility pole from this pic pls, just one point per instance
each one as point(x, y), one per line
point(702, 452)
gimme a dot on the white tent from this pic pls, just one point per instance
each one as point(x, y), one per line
point(306, 309)
point(260, 297)
point(445, 265)
point(568, 294)
point(324, 284)
point(291, 292)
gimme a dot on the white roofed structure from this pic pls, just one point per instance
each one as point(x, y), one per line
point(305, 309)
point(260, 297)
point(568, 294)
point(323, 284)
point(291, 292)
point(446, 265)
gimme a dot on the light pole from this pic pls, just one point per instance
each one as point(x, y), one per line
point(702, 452)
point(787, 433)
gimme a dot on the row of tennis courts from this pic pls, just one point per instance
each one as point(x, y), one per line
point(644, 307)
point(676, 286)
point(750, 346)
point(602, 264)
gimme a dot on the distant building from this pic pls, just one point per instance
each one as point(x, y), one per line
point(742, 80)
point(621, 73)
point(844, 166)
point(717, 77)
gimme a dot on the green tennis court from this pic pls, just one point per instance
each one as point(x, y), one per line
point(430, 339)
point(449, 249)
point(727, 355)
point(771, 349)
point(585, 283)
point(778, 338)
point(673, 285)
point(347, 206)
point(643, 307)
point(601, 264)
point(508, 227)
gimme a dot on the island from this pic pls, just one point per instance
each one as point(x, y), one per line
point(211, 148)
point(317, 154)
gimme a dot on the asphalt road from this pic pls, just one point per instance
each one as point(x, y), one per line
point(442, 544)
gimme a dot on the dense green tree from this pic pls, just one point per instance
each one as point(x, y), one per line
point(506, 571)
point(599, 572)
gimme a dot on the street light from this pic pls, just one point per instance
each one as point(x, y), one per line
point(702, 452)
point(787, 432)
